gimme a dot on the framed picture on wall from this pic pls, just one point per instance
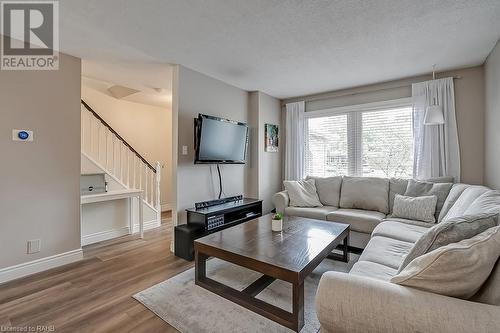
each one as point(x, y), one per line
point(272, 138)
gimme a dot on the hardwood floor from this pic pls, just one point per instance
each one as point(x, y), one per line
point(95, 294)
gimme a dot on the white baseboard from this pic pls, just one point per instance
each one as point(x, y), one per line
point(166, 207)
point(148, 225)
point(39, 265)
point(104, 235)
point(115, 233)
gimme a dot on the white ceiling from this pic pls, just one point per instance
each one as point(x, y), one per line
point(153, 81)
point(285, 48)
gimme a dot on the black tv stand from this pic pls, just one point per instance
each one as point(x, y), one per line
point(203, 221)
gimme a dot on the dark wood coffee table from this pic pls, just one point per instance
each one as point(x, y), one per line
point(289, 255)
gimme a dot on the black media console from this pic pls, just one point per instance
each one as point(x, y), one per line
point(203, 221)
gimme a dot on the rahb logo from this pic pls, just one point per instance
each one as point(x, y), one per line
point(30, 35)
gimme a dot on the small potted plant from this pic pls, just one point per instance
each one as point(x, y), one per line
point(277, 222)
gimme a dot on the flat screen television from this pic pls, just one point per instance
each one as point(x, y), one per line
point(220, 141)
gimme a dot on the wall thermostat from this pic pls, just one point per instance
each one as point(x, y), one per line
point(22, 135)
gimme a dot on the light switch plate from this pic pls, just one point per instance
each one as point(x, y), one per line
point(22, 135)
point(34, 246)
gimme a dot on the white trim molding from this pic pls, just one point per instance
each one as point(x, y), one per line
point(39, 265)
point(105, 235)
point(166, 207)
point(148, 225)
point(115, 233)
point(375, 106)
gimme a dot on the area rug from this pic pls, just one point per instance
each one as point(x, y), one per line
point(192, 309)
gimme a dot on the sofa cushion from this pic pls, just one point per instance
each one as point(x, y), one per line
point(399, 230)
point(302, 193)
point(457, 269)
point(360, 220)
point(488, 202)
point(396, 186)
point(490, 290)
point(418, 188)
point(386, 251)
point(451, 231)
point(463, 202)
point(328, 189)
point(373, 270)
point(358, 239)
point(455, 193)
point(367, 193)
point(412, 222)
point(318, 213)
point(415, 208)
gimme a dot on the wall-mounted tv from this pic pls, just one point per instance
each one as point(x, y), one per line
point(220, 141)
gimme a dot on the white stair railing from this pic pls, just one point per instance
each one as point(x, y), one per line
point(104, 146)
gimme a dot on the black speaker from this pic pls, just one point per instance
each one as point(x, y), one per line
point(185, 234)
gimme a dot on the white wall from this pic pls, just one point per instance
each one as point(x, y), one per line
point(492, 119)
point(147, 128)
point(198, 93)
point(260, 177)
point(265, 167)
point(40, 188)
point(252, 183)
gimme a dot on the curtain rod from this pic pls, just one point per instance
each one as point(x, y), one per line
point(456, 77)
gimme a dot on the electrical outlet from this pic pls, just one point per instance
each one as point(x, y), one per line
point(34, 246)
point(184, 150)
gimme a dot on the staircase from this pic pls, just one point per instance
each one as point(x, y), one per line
point(115, 157)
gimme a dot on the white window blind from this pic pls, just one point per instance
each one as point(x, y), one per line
point(377, 143)
point(326, 148)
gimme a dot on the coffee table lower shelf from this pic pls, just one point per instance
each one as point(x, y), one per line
point(246, 298)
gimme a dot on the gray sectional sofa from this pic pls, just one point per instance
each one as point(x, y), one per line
point(364, 300)
point(362, 202)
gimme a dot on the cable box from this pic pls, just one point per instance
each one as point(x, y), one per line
point(210, 203)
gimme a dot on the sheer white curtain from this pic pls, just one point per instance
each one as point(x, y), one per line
point(436, 150)
point(294, 143)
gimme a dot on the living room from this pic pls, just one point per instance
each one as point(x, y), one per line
point(332, 167)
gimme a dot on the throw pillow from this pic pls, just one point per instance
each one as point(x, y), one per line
point(419, 208)
point(452, 231)
point(368, 193)
point(396, 186)
point(490, 291)
point(457, 269)
point(443, 179)
point(302, 193)
point(418, 188)
point(328, 189)
point(488, 202)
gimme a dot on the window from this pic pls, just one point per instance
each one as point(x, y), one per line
point(375, 142)
point(326, 149)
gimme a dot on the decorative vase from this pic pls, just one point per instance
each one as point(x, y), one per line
point(277, 225)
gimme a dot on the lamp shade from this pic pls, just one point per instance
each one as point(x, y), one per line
point(434, 115)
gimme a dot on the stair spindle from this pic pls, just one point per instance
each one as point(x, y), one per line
point(106, 162)
point(158, 190)
point(146, 183)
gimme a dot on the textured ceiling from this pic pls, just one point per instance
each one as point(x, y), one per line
point(153, 81)
point(285, 48)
